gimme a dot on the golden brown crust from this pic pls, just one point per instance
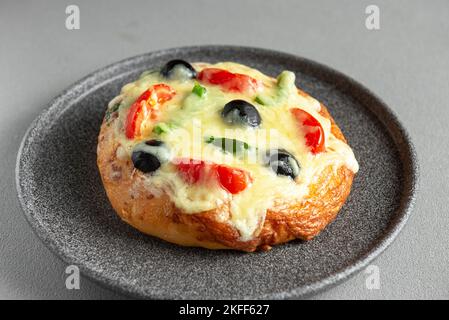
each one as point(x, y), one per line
point(159, 217)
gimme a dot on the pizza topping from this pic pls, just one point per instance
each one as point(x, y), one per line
point(146, 107)
point(283, 163)
point(178, 69)
point(233, 180)
point(285, 86)
point(192, 170)
point(199, 90)
point(234, 146)
point(161, 128)
point(148, 156)
point(240, 112)
point(228, 81)
point(218, 119)
point(313, 131)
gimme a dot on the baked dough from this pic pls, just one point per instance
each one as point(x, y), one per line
point(157, 212)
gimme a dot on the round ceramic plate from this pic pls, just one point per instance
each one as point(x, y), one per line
point(61, 193)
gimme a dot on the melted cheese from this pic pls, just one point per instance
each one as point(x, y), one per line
point(192, 119)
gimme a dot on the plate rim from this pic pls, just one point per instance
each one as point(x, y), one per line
point(407, 200)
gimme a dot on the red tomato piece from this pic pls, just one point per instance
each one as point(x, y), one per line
point(228, 81)
point(133, 119)
point(146, 106)
point(164, 92)
point(314, 132)
point(233, 180)
point(191, 170)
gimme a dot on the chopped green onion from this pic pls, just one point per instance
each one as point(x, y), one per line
point(161, 127)
point(286, 80)
point(265, 100)
point(199, 90)
point(260, 100)
point(284, 87)
point(233, 146)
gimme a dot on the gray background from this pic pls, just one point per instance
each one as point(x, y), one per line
point(406, 63)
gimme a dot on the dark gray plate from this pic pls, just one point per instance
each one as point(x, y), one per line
point(61, 193)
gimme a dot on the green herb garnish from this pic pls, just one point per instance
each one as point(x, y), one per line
point(199, 90)
point(285, 85)
point(161, 127)
point(259, 100)
point(264, 100)
point(233, 146)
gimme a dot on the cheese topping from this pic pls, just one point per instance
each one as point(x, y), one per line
point(188, 120)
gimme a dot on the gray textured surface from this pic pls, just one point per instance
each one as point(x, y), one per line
point(405, 63)
point(63, 198)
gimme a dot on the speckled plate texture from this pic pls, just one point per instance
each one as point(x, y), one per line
point(61, 193)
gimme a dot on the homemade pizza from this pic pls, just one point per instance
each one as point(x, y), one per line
point(222, 156)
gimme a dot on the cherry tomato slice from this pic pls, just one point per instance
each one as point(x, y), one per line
point(191, 170)
point(164, 92)
point(233, 180)
point(228, 81)
point(146, 106)
point(314, 132)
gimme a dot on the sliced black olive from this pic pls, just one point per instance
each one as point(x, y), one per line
point(154, 143)
point(178, 69)
point(145, 162)
point(148, 156)
point(283, 163)
point(240, 112)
